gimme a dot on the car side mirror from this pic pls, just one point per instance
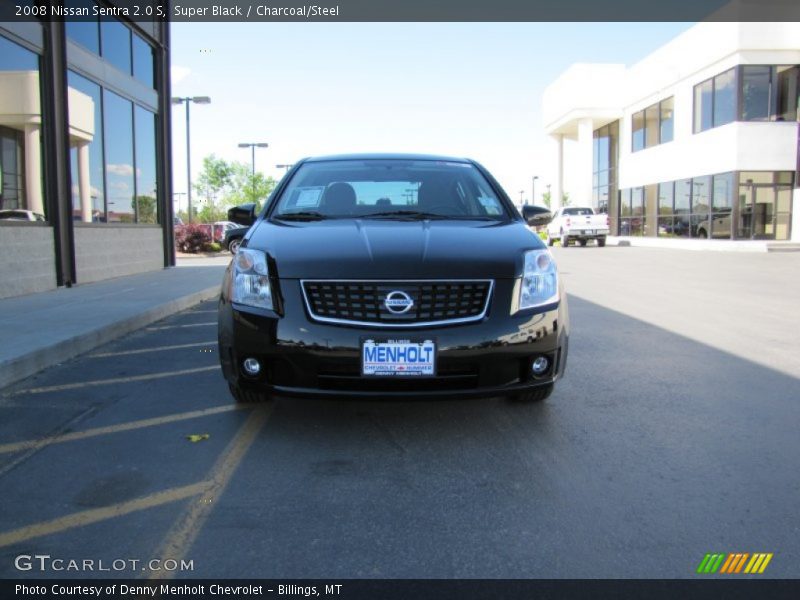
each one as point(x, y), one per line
point(244, 214)
point(536, 216)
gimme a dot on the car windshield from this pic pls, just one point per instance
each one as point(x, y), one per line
point(389, 189)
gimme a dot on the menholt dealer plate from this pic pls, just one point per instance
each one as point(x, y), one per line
point(391, 357)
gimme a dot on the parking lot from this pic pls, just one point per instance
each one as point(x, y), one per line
point(674, 434)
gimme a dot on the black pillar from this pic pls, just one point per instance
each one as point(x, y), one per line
point(164, 142)
point(55, 147)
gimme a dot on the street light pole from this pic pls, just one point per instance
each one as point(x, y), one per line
point(533, 189)
point(188, 100)
point(253, 146)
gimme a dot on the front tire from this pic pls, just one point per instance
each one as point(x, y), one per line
point(601, 242)
point(550, 240)
point(233, 247)
point(564, 241)
point(537, 394)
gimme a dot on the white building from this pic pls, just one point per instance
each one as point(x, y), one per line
point(698, 139)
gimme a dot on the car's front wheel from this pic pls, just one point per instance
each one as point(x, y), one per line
point(537, 394)
point(243, 396)
point(233, 247)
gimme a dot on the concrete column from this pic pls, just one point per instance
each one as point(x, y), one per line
point(33, 169)
point(795, 236)
point(585, 167)
point(557, 187)
point(84, 187)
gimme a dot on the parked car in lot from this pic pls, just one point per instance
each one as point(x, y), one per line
point(577, 223)
point(347, 284)
point(20, 215)
point(233, 238)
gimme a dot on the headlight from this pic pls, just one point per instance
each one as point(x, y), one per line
point(539, 284)
point(251, 279)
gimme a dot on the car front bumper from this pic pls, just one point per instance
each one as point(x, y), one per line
point(302, 357)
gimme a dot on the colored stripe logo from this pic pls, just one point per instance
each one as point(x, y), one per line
point(734, 563)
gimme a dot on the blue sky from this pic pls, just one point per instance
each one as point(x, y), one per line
point(464, 89)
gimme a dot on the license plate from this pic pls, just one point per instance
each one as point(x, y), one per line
point(398, 358)
point(588, 232)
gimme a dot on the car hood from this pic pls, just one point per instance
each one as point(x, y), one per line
point(392, 249)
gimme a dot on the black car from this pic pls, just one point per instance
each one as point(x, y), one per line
point(233, 238)
point(390, 276)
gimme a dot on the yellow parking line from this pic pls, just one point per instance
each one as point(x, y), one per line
point(75, 386)
point(155, 349)
point(131, 425)
point(181, 326)
point(95, 515)
point(183, 533)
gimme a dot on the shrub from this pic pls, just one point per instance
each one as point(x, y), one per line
point(214, 247)
point(191, 238)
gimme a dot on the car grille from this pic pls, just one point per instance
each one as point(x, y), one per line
point(363, 302)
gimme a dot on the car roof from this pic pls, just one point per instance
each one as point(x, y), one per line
point(387, 156)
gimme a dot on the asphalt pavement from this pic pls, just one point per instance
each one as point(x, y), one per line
point(671, 436)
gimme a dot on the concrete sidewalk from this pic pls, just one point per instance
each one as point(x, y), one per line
point(40, 330)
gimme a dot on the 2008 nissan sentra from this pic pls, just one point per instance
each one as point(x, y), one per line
point(392, 276)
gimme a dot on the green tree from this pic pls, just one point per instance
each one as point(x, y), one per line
point(223, 184)
point(247, 187)
point(214, 178)
point(146, 208)
point(565, 199)
point(546, 199)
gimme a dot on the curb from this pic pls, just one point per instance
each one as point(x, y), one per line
point(29, 364)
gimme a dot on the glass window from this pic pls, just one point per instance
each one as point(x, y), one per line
point(84, 32)
point(723, 191)
point(788, 92)
point(118, 136)
point(666, 194)
point(116, 39)
point(86, 149)
point(350, 188)
point(637, 211)
point(756, 93)
point(21, 187)
point(703, 106)
point(683, 195)
point(667, 108)
point(143, 61)
point(146, 186)
point(613, 146)
point(651, 116)
point(603, 151)
point(724, 97)
point(638, 131)
point(701, 188)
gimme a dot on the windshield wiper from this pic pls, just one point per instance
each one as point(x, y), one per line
point(305, 215)
point(409, 214)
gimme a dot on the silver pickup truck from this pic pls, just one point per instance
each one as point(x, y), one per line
point(577, 224)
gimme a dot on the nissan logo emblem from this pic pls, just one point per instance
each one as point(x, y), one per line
point(398, 302)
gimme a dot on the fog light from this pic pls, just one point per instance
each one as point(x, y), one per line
point(251, 366)
point(540, 365)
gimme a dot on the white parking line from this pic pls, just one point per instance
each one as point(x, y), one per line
point(83, 384)
point(155, 349)
point(181, 326)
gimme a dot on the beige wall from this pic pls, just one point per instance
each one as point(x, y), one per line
point(106, 251)
point(27, 262)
